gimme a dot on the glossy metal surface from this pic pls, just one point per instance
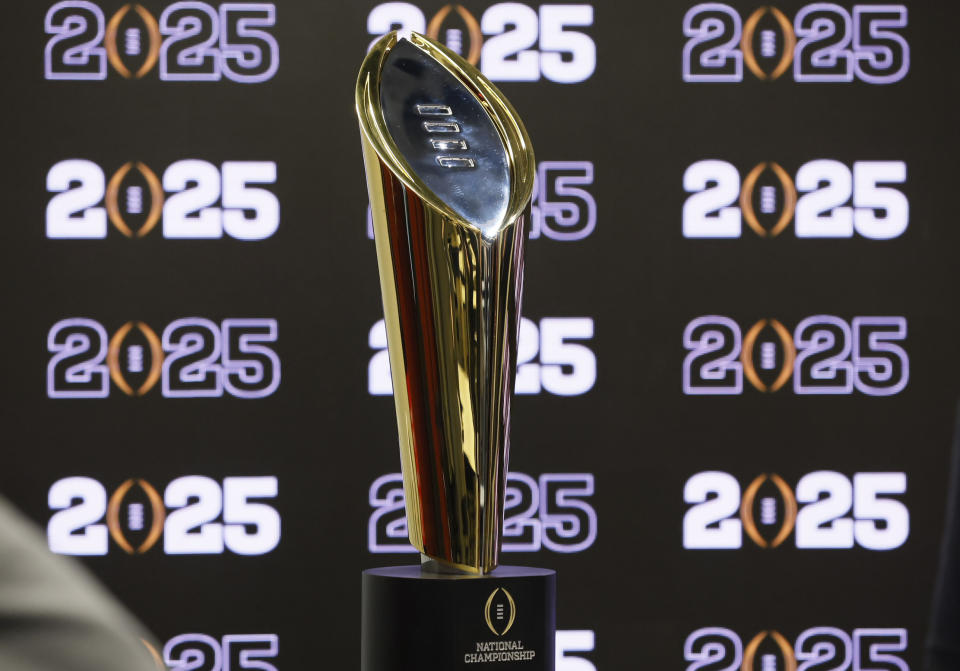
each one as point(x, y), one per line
point(450, 174)
point(434, 121)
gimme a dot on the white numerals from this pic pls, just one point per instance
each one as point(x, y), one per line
point(189, 213)
point(237, 195)
point(189, 210)
point(509, 54)
point(75, 529)
point(869, 508)
point(514, 29)
point(818, 512)
point(520, 42)
point(821, 213)
point(565, 367)
point(574, 641)
point(378, 370)
point(198, 199)
point(201, 517)
point(869, 196)
point(191, 528)
point(401, 16)
point(72, 213)
point(706, 525)
point(708, 212)
point(719, 201)
point(820, 524)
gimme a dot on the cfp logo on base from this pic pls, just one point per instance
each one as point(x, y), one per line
point(769, 511)
point(511, 41)
point(825, 43)
point(134, 200)
point(191, 41)
point(135, 516)
point(562, 209)
point(564, 369)
point(825, 355)
point(500, 611)
point(867, 649)
point(193, 358)
point(552, 513)
point(767, 200)
point(186, 652)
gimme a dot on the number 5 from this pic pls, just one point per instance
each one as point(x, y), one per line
point(868, 197)
point(868, 509)
point(237, 197)
point(554, 41)
point(258, 373)
point(574, 640)
point(569, 517)
point(555, 354)
point(238, 513)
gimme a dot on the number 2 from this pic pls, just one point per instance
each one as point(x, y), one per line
point(62, 210)
point(707, 524)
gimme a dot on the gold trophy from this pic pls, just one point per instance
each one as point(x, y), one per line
point(450, 173)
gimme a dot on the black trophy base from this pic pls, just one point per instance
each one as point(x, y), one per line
point(417, 620)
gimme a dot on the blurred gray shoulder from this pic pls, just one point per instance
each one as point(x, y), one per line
point(53, 615)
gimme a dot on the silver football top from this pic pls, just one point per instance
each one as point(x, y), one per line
point(445, 135)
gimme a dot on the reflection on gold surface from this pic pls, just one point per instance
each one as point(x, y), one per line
point(451, 300)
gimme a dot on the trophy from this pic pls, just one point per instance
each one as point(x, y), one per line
point(450, 175)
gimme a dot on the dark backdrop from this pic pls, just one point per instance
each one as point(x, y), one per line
point(629, 465)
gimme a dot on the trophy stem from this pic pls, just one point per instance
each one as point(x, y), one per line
point(450, 176)
point(431, 565)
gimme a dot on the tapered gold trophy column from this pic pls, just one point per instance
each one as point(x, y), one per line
point(450, 174)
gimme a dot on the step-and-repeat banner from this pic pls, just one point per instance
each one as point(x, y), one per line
point(737, 359)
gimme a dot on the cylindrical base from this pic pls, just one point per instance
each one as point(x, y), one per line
point(415, 620)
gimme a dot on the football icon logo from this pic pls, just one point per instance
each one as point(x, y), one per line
point(500, 611)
